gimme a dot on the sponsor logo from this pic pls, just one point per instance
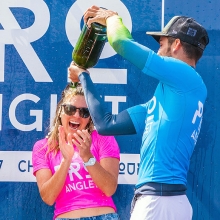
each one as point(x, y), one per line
point(18, 168)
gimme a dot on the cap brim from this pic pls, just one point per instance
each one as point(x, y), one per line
point(156, 35)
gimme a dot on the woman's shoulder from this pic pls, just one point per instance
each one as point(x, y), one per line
point(103, 141)
point(98, 137)
point(40, 144)
point(105, 146)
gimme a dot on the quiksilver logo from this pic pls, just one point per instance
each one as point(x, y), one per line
point(1, 162)
point(191, 32)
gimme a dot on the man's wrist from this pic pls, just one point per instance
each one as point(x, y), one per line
point(110, 14)
point(83, 73)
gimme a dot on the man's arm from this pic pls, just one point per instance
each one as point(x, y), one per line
point(129, 121)
point(119, 36)
point(121, 40)
point(105, 122)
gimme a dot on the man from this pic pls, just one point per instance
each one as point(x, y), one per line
point(170, 122)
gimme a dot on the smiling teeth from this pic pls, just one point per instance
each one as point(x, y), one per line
point(73, 122)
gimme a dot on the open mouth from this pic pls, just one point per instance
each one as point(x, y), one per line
point(74, 125)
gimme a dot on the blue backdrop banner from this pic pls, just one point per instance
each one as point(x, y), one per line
point(37, 38)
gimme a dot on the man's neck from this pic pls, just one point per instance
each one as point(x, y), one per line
point(184, 58)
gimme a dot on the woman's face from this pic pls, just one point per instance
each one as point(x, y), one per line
point(74, 122)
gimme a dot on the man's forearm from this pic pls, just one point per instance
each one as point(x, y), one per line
point(105, 122)
point(123, 43)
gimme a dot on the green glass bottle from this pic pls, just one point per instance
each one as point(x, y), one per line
point(89, 46)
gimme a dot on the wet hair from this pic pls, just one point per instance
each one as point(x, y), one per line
point(71, 90)
point(192, 52)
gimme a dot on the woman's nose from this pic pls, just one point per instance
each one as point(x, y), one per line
point(77, 113)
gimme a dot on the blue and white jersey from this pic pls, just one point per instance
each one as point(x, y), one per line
point(172, 119)
point(170, 122)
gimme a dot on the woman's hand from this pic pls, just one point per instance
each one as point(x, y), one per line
point(104, 172)
point(50, 185)
point(74, 72)
point(82, 139)
point(66, 146)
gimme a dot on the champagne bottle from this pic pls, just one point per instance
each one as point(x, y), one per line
point(89, 46)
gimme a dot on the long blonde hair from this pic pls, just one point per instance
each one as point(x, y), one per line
point(71, 90)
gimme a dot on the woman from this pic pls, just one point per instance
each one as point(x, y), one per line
point(75, 167)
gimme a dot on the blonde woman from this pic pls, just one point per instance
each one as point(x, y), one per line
point(75, 167)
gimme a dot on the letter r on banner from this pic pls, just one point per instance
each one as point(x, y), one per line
point(21, 38)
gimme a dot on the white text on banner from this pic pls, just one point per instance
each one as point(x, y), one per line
point(16, 166)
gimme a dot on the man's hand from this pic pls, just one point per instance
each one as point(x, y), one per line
point(74, 72)
point(97, 14)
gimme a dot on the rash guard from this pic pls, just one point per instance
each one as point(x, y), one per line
point(170, 122)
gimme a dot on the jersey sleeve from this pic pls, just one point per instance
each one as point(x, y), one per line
point(165, 69)
point(123, 43)
point(172, 72)
point(39, 159)
point(105, 122)
point(138, 116)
